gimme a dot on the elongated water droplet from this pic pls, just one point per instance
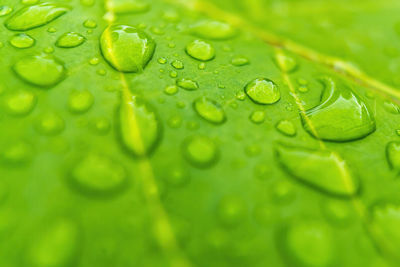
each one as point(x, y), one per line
point(40, 70)
point(127, 49)
point(187, 84)
point(49, 124)
point(35, 16)
point(263, 91)
point(70, 39)
point(200, 151)
point(240, 61)
point(98, 175)
point(140, 128)
point(5, 10)
point(20, 103)
point(341, 116)
point(200, 50)
point(22, 40)
point(209, 110)
point(320, 169)
point(393, 155)
point(212, 29)
point(286, 63)
point(286, 127)
point(80, 101)
point(127, 6)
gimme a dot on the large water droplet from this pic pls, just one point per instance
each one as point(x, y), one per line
point(393, 155)
point(263, 91)
point(35, 16)
point(127, 6)
point(70, 39)
point(20, 103)
point(41, 70)
point(127, 49)
point(200, 151)
point(98, 174)
point(187, 84)
point(209, 110)
point(22, 40)
point(200, 50)
point(320, 169)
point(140, 128)
point(212, 29)
point(341, 116)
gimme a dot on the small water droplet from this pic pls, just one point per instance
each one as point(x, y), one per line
point(175, 121)
point(22, 40)
point(20, 103)
point(5, 10)
point(173, 74)
point(162, 60)
point(80, 101)
point(49, 50)
point(127, 49)
point(337, 212)
point(286, 127)
point(187, 84)
point(40, 70)
point(320, 169)
point(240, 61)
point(303, 89)
point(89, 23)
point(101, 72)
point(212, 29)
point(35, 16)
point(200, 50)
point(171, 16)
point(94, 61)
point(209, 110)
point(51, 30)
point(177, 64)
point(70, 39)
point(231, 210)
point(127, 6)
point(200, 151)
point(171, 90)
point(49, 124)
point(240, 95)
point(257, 116)
point(391, 107)
point(286, 63)
point(202, 66)
point(18, 152)
point(100, 125)
point(263, 91)
point(157, 30)
point(283, 192)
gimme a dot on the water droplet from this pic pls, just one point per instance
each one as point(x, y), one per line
point(320, 169)
point(391, 107)
point(240, 95)
point(240, 61)
point(177, 64)
point(173, 74)
point(202, 66)
point(286, 63)
point(51, 30)
point(101, 72)
point(20, 103)
point(100, 125)
point(35, 16)
point(140, 128)
point(393, 155)
point(80, 101)
point(5, 10)
point(187, 84)
point(94, 61)
point(200, 151)
point(283, 192)
point(70, 39)
point(303, 89)
point(49, 124)
point(19, 152)
point(200, 50)
point(231, 210)
point(127, 6)
point(286, 127)
point(175, 121)
point(162, 60)
point(341, 116)
point(40, 70)
point(22, 40)
point(212, 29)
point(157, 30)
point(171, 90)
point(209, 110)
point(49, 50)
point(257, 117)
point(263, 91)
point(308, 243)
point(337, 212)
point(98, 174)
point(126, 48)
point(57, 245)
point(89, 23)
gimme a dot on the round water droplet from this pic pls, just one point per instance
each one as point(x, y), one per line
point(127, 6)
point(49, 124)
point(89, 23)
point(231, 210)
point(70, 39)
point(98, 175)
point(240, 61)
point(19, 152)
point(286, 127)
point(5, 10)
point(393, 155)
point(187, 84)
point(257, 117)
point(127, 49)
point(286, 63)
point(202, 66)
point(20, 103)
point(173, 74)
point(320, 169)
point(40, 70)
point(94, 61)
point(177, 64)
point(263, 91)
point(212, 29)
point(22, 40)
point(240, 95)
point(171, 90)
point(35, 16)
point(80, 101)
point(209, 110)
point(200, 50)
point(200, 151)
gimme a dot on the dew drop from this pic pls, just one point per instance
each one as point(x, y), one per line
point(393, 155)
point(51, 30)
point(171, 90)
point(320, 169)
point(18, 152)
point(286, 63)
point(5, 10)
point(286, 127)
point(240, 61)
point(200, 50)
point(209, 110)
point(175, 121)
point(341, 116)
point(22, 40)
point(177, 64)
point(162, 60)
point(187, 84)
point(202, 66)
point(127, 49)
point(40, 70)
point(337, 212)
point(173, 74)
point(20, 103)
point(100, 125)
point(127, 6)
point(257, 117)
point(80, 101)
point(231, 210)
point(49, 124)
point(212, 29)
point(200, 151)
point(90, 24)
point(35, 16)
point(70, 39)
point(94, 61)
point(263, 91)
point(140, 128)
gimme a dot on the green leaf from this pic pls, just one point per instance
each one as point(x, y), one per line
point(199, 133)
